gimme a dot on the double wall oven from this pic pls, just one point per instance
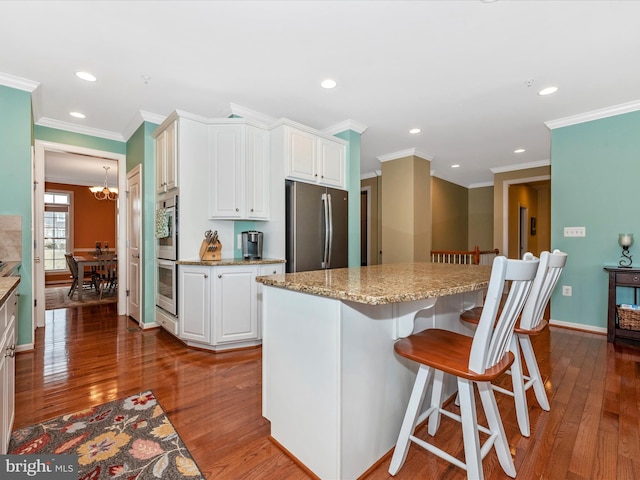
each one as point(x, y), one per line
point(167, 254)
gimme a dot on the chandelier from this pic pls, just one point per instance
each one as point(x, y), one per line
point(103, 192)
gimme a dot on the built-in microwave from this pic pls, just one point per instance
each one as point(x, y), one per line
point(167, 229)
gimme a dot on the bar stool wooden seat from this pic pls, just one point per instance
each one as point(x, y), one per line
point(473, 361)
point(529, 324)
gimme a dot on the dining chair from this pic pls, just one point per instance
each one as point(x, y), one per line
point(106, 273)
point(529, 324)
point(473, 361)
point(87, 277)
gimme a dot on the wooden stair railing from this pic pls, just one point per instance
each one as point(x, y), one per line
point(465, 257)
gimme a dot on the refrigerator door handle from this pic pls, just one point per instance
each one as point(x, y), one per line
point(330, 249)
point(325, 253)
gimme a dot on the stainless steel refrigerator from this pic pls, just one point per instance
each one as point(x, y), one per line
point(317, 227)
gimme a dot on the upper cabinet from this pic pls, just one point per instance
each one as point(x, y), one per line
point(239, 171)
point(313, 158)
point(167, 158)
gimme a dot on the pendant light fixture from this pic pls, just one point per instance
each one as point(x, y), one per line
point(104, 192)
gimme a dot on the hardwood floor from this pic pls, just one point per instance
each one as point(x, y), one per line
point(87, 356)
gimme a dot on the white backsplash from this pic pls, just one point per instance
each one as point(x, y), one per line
point(10, 238)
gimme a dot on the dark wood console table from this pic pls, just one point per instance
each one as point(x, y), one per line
point(621, 277)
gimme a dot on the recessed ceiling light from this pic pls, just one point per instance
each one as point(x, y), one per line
point(548, 91)
point(519, 150)
point(415, 130)
point(455, 165)
point(77, 114)
point(86, 76)
point(328, 83)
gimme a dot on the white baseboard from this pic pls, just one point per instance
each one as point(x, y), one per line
point(578, 326)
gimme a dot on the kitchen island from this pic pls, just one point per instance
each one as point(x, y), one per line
point(333, 388)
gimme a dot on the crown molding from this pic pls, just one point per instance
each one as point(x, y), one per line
point(346, 125)
point(375, 173)
point(138, 119)
point(71, 127)
point(594, 115)
point(404, 153)
point(521, 166)
point(480, 185)
point(20, 83)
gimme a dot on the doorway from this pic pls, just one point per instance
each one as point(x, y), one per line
point(42, 148)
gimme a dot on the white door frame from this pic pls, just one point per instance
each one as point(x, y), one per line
point(135, 171)
point(41, 147)
point(505, 206)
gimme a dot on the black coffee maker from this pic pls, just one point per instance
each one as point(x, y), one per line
point(252, 245)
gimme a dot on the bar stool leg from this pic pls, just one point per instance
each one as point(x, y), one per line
point(534, 371)
point(519, 392)
point(410, 417)
point(437, 393)
point(469, 420)
point(495, 425)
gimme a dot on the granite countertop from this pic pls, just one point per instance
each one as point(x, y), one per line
point(7, 285)
point(230, 261)
point(383, 284)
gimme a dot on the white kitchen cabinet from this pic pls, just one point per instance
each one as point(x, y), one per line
point(235, 316)
point(239, 172)
point(265, 270)
point(313, 158)
point(194, 292)
point(219, 305)
point(167, 158)
point(8, 316)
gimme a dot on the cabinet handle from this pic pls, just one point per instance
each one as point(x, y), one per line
point(237, 209)
point(219, 276)
point(274, 272)
point(252, 209)
point(206, 276)
point(315, 175)
point(635, 279)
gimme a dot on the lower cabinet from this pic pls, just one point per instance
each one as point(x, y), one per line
point(219, 306)
point(8, 316)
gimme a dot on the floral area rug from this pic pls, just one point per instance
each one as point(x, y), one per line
point(128, 439)
point(56, 297)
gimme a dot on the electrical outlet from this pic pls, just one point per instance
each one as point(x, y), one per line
point(566, 290)
point(239, 241)
point(575, 231)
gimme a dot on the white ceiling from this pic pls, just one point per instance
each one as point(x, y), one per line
point(456, 69)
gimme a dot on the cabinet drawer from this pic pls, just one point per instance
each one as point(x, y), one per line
point(628, 279)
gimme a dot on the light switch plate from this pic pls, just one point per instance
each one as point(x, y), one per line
point(575, 231)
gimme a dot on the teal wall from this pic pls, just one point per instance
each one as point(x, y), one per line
point(15, 190)
point(595, 173)
point(353, 186)
point(78, 139)
point(141, 151)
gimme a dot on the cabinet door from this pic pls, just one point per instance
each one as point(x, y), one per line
point(257, 173)
point(5, 430)
point(195, 306)
point(234, 299)
point(161, 147)
point(171, 156)
point(227, 172)
point(331, 160)
point(301, 153)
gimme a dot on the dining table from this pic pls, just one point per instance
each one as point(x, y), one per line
point(83, 262)
point(334, 391)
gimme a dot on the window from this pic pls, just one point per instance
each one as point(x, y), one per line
point(57, 230)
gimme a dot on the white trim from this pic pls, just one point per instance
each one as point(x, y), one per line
point(480, 185)
point(594, 115)
point(26, 347)
point(375, 173)
point(20, 83)
point(578, 326)
point(505, 207)
point(138, 119)
point(72, 127)
point(404, 153)
point(346, 125)
point(521, 166)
